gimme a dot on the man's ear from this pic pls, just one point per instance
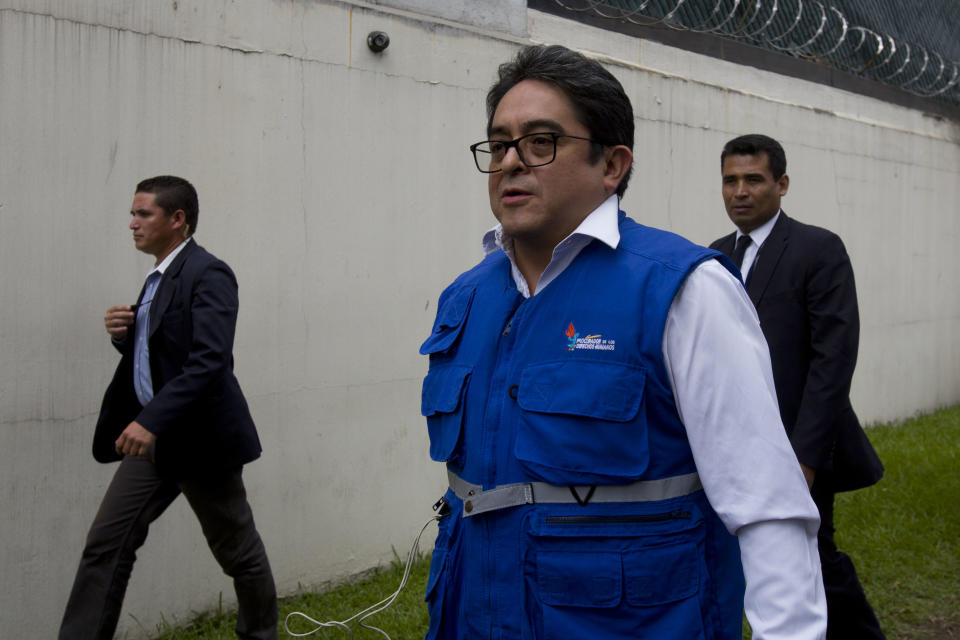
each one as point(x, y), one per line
point(179, 220)
point(783, 183)
point(618, 161)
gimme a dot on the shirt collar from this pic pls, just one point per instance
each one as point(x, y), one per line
point(601, 224)
point(160, 268)
point(761, 233)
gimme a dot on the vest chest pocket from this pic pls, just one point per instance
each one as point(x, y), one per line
point(582, 422)
point(442, 403)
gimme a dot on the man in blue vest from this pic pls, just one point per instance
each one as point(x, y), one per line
point(601, 394)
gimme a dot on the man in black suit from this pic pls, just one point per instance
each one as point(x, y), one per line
point(176, 419)
point(801, 282)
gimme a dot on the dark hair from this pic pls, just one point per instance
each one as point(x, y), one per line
point(756, 143)
point(598, 99)
point(173, 193)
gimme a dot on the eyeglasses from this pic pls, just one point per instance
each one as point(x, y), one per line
point(534, 150)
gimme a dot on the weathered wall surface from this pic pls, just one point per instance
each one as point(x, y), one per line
point(338, 185)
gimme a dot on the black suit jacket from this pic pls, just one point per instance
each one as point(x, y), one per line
point(803, 289)
point(198, 412)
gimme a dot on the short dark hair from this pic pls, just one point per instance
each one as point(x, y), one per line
point(756, 143)
point(598, 98)
point(173, 193)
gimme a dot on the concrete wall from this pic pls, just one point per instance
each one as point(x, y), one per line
point(338, 185)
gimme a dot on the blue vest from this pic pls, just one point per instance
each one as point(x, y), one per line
point(569, 387)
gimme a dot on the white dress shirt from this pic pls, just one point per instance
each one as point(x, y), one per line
point(171, 256)
point(719, 365)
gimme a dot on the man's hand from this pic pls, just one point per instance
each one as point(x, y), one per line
point(135, 440)
point(117, 320)
point(808, 473)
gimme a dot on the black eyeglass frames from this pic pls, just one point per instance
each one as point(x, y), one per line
point(534, 150)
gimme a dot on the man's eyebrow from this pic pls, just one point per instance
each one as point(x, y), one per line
point(752, 174)
point(541, 124)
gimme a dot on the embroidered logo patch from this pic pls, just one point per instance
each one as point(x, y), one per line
point(571, 338)
point(592, 342)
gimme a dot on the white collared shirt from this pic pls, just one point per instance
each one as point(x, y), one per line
point(758, 236)
point(160, 268)
point(601, 224)
point(719, 365)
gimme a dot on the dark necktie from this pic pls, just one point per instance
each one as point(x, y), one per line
point(742, 243)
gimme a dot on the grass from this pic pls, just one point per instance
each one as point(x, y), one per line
point(406, 619)
point(903, 535)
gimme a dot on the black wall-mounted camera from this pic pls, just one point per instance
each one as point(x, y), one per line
point(378, 41)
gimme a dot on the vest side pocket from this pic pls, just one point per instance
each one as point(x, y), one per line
point(441, 401)
point(582, 422)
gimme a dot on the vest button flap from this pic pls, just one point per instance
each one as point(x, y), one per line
point(581, 578)
point(582, 422)
point(452, 310)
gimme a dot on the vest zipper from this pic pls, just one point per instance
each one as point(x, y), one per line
point(650, 517)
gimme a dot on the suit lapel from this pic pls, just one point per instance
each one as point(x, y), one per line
point(726, 244)
point(768, 257)
point(168, 285)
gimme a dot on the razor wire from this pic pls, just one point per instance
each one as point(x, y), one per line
point(807, 29)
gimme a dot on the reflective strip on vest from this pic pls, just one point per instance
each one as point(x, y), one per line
point(477, 500)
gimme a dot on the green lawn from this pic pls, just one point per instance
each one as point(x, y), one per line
point(903, 535)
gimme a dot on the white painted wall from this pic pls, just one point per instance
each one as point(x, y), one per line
point(338, 185)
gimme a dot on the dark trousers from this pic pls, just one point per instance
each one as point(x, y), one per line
point(849, 615)
point(136, 497)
